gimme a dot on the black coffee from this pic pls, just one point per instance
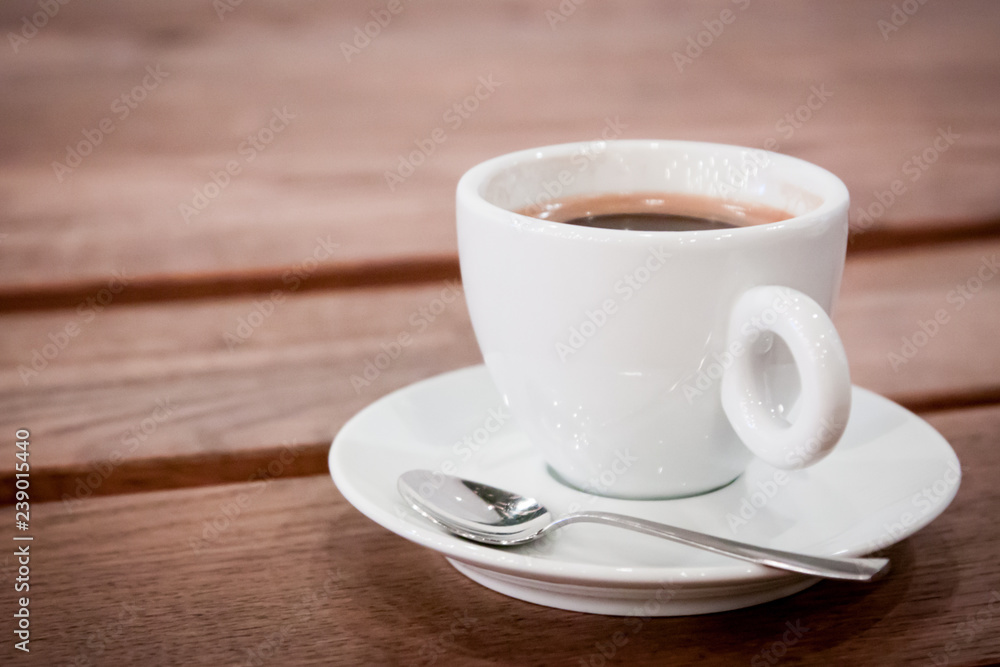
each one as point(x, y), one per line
point(649, 222)
point(655, 212)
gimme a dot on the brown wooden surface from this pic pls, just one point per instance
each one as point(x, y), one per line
point(324, 173)
point(300, 577)
point(225, 403)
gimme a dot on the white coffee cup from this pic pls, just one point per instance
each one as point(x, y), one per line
point(641, 363)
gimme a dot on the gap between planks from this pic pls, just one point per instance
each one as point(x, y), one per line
point(186, 287)
point(211, 469)
point(388, 272)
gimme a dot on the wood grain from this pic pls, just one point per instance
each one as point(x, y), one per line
point(170, 394)
point(294, 575)
point(888, 97)
point(162, 390)
point(152, 348)
point(920, 325)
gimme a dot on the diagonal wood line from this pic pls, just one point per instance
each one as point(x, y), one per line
point(383, 273)
point(186, 287)
point(942, 402)
point(884, 240)
point(74, 484)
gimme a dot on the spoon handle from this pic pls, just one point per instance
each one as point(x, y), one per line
point(852, 569)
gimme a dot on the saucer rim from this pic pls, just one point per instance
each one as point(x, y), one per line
point(587, 574)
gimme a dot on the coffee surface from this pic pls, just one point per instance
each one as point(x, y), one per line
point(655, 211)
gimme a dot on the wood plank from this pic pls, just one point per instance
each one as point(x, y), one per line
point(170, 394)
point(324, 174)
point(297, 576)
point(191, 381)
point(920, 325)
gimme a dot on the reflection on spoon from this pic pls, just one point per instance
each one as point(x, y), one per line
point(497, 517)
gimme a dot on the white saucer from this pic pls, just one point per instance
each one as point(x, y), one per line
point(890, 476)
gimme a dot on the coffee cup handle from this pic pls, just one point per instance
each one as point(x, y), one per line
point(824, 401)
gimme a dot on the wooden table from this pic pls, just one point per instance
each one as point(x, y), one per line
point(208, 223)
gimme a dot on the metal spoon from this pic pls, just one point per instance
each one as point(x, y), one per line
point(497, 517)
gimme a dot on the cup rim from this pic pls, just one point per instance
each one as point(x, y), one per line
point(824, 183)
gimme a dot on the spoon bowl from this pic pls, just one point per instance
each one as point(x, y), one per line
point(497, 517)
point(473, 510)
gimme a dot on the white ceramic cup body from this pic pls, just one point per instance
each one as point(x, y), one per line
point(641, 363)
